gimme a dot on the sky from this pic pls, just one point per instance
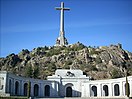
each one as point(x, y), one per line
point(28, 24)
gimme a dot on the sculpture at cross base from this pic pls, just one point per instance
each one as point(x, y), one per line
point(61, 40)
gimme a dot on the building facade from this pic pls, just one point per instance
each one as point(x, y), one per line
point(65, 83)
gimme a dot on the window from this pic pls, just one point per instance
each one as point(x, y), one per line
point(16, 88)
point(47, 90)
point(25, 89)
point(10, 86)
point(36, 90)
point(116, 90)
point(105, 90)
point(94, 91)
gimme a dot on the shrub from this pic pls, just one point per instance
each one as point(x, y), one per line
point(98, 60)
point(91, 67)
point(35, 72)
point(69, 62)
point(28, 71)
point(51, 67)
point(66, 67)
point(53, 52)
point(93, 51)
point(32, 72)
point(115, 73)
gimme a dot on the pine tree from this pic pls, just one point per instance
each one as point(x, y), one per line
point(28, 71)
point(35, 72)
point(28, 89)
point(127, 86)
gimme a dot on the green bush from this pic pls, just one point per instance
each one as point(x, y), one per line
point(66, 67)
point(52, 52)
point(93, 51)
point(91, 67)
point(14, 97)
point(28, 71)
point(32, 72)
point(75, 47)
point(35, 72)
point(115, 73)
point(69, 62)
point(98, 60)
point(51, 67)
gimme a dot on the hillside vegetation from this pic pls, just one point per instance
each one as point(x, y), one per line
point(98, 62)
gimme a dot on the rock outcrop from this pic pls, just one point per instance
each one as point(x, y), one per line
point(98, 62)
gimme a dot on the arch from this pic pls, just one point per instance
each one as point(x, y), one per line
point(25, 89)
point(69, 91)
point(47, 90)
point(10, 88)
point(105, 89)
point(128, 89)
point(94, 90)
point(16, 88)
point(116, 90)
point(36, 90)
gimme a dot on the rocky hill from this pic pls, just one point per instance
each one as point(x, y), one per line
point(98, 62)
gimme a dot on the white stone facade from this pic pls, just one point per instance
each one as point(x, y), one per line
point(65, 83)
point(16, 85)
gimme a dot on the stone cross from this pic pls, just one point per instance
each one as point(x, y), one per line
point(62, 40)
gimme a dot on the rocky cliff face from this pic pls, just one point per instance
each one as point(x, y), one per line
point(99, 63)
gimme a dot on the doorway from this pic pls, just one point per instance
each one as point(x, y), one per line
point(69, 92)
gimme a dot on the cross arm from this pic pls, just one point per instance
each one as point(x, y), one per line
point(58, 8)
point(66, 8)
point(62, 8)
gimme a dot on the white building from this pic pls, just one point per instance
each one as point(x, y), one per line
point(65, 83)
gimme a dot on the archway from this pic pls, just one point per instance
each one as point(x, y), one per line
point(10, 86)
point(47, 90)
point(116, 90)
point(105, 89)
point(94, 91)
point(25, 89)
point(36, 90)
point(16, 88)
point(69, 91)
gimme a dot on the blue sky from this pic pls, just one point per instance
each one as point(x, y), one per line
point(27, 24)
